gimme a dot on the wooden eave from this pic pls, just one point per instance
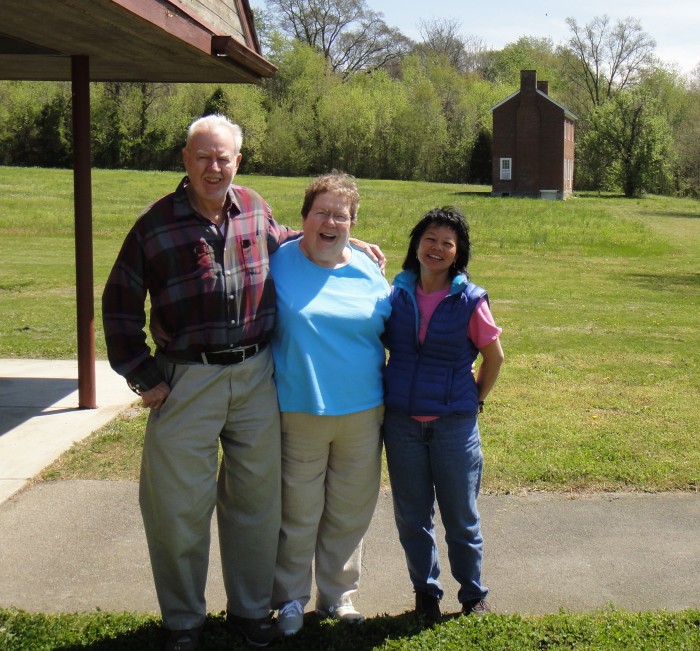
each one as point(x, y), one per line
point(126, 40)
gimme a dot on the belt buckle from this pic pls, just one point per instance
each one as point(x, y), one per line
point(231, 356)
point(237, 356)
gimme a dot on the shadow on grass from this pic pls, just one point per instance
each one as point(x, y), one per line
point(662, 282)
point(317, 635)
point(678, 215)
point(474, 193)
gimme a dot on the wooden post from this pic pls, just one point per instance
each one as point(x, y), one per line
point(82, 190)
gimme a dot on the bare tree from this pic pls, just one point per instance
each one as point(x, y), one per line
point(694, 78)
point(348, 34)
point(443, 36)
point(475, 50)
point(608, 58)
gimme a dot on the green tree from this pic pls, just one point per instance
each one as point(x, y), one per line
point(633, 140)
point(216, 103)
point(123, 118)
point(527, 53)
point(679, 103)
point(35, 124)
point(687, 140)
point(54, 137)
point(387, 98)
point(421, 133)
point(293, 145)
point(346, 127)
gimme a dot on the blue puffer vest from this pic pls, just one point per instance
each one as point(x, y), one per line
point(435, 378)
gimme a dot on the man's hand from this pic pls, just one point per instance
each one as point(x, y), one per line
point(155, 397)
point(372, 250)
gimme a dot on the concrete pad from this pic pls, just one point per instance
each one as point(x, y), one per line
point(39, 414)
point(73, 546)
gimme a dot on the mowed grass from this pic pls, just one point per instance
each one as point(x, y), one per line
point(605, 630)
point(598, 298)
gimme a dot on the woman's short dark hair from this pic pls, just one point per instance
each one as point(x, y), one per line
point(447, 216)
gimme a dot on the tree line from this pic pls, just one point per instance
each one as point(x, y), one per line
point(353, 94)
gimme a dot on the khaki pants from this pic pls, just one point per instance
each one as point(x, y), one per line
point(331, 468)
point(236, 406)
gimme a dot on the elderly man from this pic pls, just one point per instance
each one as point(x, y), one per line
point(201, 253)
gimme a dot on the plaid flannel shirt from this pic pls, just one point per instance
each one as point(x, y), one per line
point(207, 292)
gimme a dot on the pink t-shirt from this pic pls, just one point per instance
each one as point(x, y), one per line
point(482, 329)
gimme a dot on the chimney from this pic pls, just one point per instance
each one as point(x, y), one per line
point(543, 87)
point(528, 82)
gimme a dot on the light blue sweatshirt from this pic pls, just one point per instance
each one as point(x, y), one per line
point(326, 342)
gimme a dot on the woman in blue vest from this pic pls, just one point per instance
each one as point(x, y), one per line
point(440, 323)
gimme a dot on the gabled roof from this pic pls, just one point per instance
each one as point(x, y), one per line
point(132, 40)
point(567, 112)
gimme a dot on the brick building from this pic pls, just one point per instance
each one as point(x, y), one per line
point(533, 143)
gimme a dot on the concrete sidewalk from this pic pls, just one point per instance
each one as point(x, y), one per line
point(79, 545)
point(39, 414)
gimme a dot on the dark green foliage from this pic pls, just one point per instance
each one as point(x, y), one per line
point(42, 136)
point(217, 104)
point(480, 161)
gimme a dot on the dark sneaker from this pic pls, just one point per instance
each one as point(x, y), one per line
point(257, 632)
point(476, 607)
point(428, 607)
point(184, 640)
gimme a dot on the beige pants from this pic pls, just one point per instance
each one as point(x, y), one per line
point(331, 469)
point(237, 407)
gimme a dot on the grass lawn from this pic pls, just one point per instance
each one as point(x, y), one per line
point(607, 630)
point(598, 298)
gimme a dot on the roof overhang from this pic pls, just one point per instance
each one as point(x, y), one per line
point(128, 40)
point(567, 113)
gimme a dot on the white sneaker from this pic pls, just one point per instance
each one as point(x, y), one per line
point(343, 612)
point(290, 617)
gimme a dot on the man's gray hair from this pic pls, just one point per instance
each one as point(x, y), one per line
point(212, 122)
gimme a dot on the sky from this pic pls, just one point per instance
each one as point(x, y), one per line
point(673, 24)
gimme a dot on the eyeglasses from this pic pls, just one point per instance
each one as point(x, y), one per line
point(323, 216)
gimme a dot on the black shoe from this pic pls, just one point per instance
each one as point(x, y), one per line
point(257, 632)
point(428, 607)
point(183, 640)
point(476, 607)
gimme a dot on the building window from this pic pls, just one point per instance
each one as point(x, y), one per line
point(506, 164)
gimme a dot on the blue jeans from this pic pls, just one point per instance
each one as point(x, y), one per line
point(438, 459)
